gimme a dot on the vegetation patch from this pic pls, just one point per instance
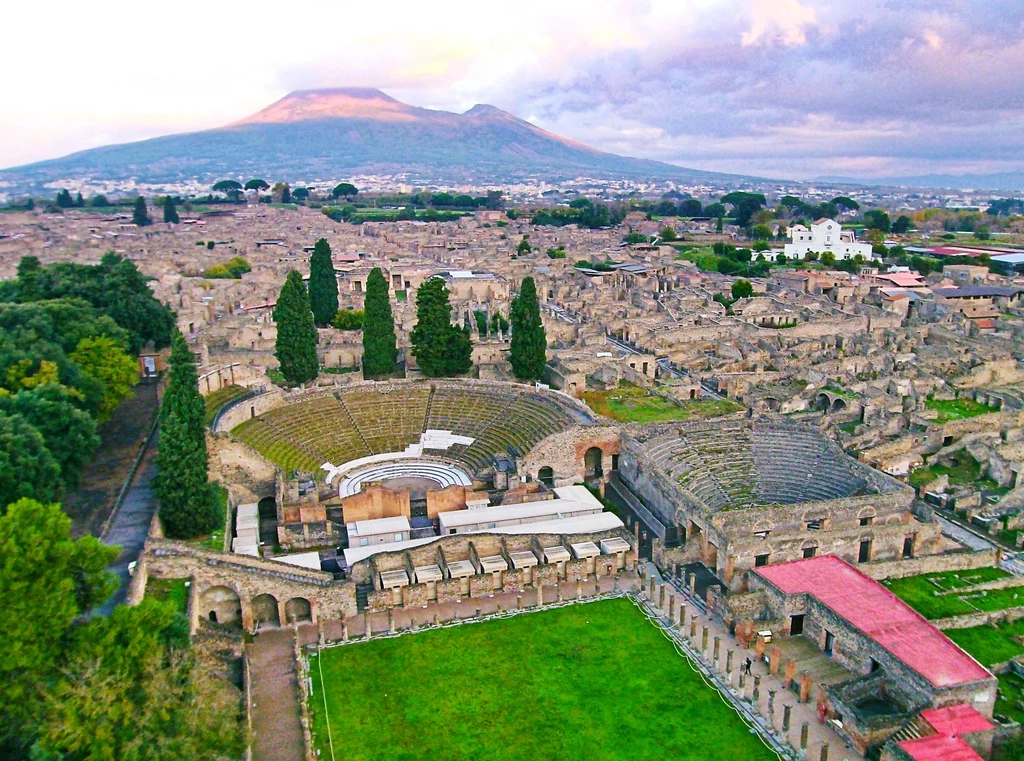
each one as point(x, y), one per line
point(632, 404)
point(567, 683)
point(219, 398)
point(966, 471)
point(925, 593)
point(956, 409)
point(989, 644)
point(215, 539)
point(173, 591)
point(1010, 701)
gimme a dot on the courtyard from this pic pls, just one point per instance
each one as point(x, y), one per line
point(594, 680)
point(632, 404)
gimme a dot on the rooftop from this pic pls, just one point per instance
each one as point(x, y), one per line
point(879, 614)
point(939, 748)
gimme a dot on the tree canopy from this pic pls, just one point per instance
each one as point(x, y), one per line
point(140, 215)
point(529, 343)
point(170, 213)
point(344, 190)
point(441, 349)
point(742, 289)
point(295, 348)
point(103, 359)
point(877, 219)
point(323, 284)
point(380, 350)
point(257, 185)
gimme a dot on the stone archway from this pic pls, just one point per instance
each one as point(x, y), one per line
point(838, 405)
point(298, 610)
point(267, 509)
point(221, 605)
point(592, 465)
point(823, 402)
point(265, 611)
point(546, 476)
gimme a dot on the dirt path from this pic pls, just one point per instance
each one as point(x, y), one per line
point(276, 720)
point(101, 480)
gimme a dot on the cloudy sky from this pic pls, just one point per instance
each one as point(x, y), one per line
point(782, 88)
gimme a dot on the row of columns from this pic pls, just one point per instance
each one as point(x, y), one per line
point(664, 598)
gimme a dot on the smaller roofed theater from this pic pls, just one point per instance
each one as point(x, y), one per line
point(895, 664)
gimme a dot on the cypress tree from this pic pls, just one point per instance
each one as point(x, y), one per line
point(529, 343)
point(296, 334)
point(139, 214)
point(187, 505)
point(323, 285)
point(170, 213)
point(440, 348)
point(379, 348)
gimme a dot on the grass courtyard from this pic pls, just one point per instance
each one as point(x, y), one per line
point(923, 593)
point(632, 404)
point(583, 682)
point(956, 409)
point(991, 644)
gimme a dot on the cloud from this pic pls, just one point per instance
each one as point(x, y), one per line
point(779, 87)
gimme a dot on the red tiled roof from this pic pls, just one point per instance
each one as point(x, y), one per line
point(879, 614)
point(955, 720)
point(939, 748)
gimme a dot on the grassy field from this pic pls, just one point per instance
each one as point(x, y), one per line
point(991, 644)
point(1010, 702)
point(968, 471)
point(631, 404)
point(173, 591)
point(592, 681)
point(920, 592)
point(956, 409)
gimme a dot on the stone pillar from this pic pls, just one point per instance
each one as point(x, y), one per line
point(717, 649)
point(824, 753)
point(743, 681)
point(771, 707)
point(757, 687)
point(681, 614)
point(344, 630)
point(579, 589)
point(805, 687)
point(728, 662)
point(704, 640)
point(558, 589)
point(367, 626)
point(540, 595)
point(478, 612)
point(519, 602)
point(787, 712)
point(391, 620)
point(804, 731)
point(790, 674)
point(693, 627)
point(773, 662)
point(759, 648)
point(437, 620)
point(650, 589)
point(692, 584)
point(661, 597)
point(675, 570)
point(671, 607)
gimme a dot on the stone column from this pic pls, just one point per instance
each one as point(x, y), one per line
point(728, 662)
point(579, 589)
point(671, 607)
point(742, 682)
point(681, 614)
point(787, 712)
point(804, 731)
point(650, 589)
point(773, 663)
point(693, 628)
point(661, 597)
point(824, 752)
point(704, 640)
point(771, 707)
point(344, 630)
point(790, 673)
point(540, 595)
point(693, 584)
point(367, 625)
point(716, 649)
point(757, 687)
point(391, 620)
point(759, 648)
point(805, 687)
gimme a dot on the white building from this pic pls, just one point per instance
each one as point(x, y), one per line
point(825, 235)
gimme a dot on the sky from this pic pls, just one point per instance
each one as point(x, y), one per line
point(779, 88)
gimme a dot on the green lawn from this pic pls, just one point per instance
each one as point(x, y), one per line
point(920, 592)
point(968, 471)
point(991, 644)
point(591, 681)
point(956, 409)
point(173, 591)
point(1010, 702)
point(631, 404)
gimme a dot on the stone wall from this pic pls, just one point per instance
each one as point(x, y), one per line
point(564, 453)
point(376, 501)
point(948, 561)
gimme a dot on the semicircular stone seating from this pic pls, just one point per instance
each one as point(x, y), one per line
point(372, 420)
point(440, 473)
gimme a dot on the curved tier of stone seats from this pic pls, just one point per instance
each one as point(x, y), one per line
point(728, 465)
point(440, 473)
point(369, 420)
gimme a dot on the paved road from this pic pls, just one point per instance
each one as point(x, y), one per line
point(1012, 561)
point(276, 718)
point(131, 525)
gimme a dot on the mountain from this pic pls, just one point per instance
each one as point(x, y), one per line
point(1012, 182)
point(337, 133)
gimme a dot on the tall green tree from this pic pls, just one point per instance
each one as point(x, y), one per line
point(170, 213)
point(104, 360)
point(380, 350)
point(323, 284)
point(187, 504)
point(529, 343)
point(441, 349)
point(49, 580)
point(296, 333)
point(140, 216)
point(344, 189)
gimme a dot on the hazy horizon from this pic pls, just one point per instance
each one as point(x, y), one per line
point(776, 88)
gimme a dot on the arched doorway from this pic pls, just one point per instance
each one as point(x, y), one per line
point(546, 476)
point(265, 611)
point(838, 405)
point(221, 605)
point(268, 509)
point(822, 402)
point(592, 463)
point(298, 610)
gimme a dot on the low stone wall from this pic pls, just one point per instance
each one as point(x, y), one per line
point(981, 618)
point(948, 561)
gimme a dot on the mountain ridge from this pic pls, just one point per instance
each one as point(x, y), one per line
point(332, 133)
